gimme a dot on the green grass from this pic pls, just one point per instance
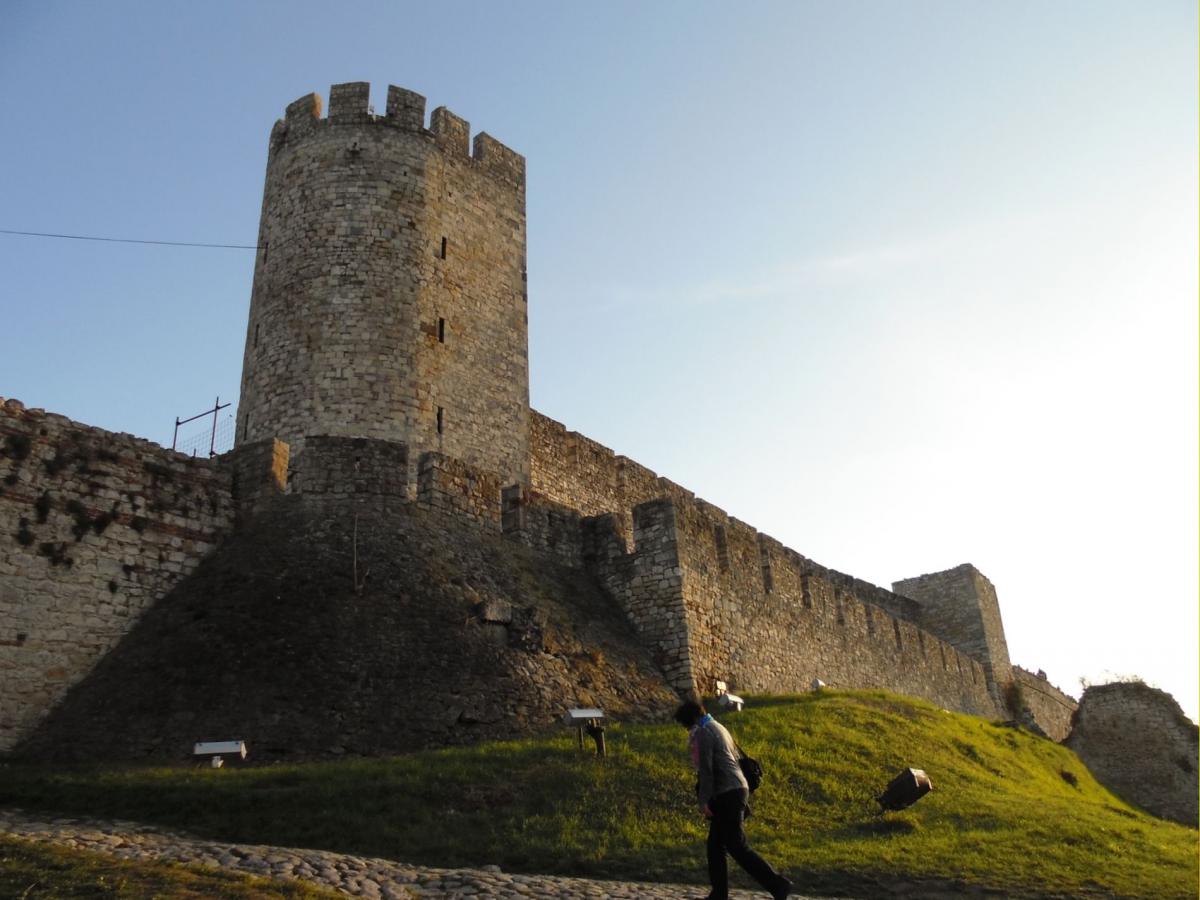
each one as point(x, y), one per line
point(1004, 813)
point(34, 871)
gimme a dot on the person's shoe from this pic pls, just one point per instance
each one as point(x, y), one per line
point(782, 888)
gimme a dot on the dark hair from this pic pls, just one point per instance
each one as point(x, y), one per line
point(689, 713)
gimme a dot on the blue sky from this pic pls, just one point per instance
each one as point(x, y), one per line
point(903, 285)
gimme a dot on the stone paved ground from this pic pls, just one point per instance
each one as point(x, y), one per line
point(354, 875)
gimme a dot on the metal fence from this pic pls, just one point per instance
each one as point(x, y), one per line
point(209, 433)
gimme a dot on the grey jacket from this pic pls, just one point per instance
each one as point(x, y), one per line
point(716, 760)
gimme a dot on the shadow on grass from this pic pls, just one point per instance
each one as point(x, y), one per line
point(880, 827)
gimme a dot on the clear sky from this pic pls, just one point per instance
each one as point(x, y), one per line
point(904, 285)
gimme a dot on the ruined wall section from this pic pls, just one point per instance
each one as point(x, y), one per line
point(1050, 707)
point(764, 619)
point(1138, 743)
point(389, 295)
point(94, 528)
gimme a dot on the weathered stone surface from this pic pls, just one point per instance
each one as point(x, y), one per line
point(1138, 743)
point(94, 527)
point(961, 605)
point(1049, 707)
point(389, 297)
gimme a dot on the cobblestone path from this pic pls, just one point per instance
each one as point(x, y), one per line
point(354, 875)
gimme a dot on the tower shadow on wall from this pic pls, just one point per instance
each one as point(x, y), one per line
point(455, 636)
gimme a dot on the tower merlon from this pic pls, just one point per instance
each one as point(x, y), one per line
point(405, 108)
point(495, 157)
point(350, 102)
point(303, 115)
point(450, 131)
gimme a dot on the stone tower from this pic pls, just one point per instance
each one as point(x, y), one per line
point(960, 606)
point(389, 295)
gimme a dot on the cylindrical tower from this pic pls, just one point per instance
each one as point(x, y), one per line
point(389, 294)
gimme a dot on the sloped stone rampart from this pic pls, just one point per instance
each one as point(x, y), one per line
point(1138, 743)
point(325, 627)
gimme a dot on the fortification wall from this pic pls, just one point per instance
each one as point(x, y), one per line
point(1138, 743)
point(763, 618)
point(94, 527)
point(1051, 708)
point(758, 614)
point(567, 468)
point(389, 294)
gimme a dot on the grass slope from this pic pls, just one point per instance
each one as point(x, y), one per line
point(1010, 813)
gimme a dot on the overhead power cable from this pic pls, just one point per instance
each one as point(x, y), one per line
point(84, 237)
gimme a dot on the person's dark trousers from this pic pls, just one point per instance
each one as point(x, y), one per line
point(726, 835)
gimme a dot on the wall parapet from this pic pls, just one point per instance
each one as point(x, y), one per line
point(764, 618)
point(542, 525)
point(451, 486)
point(351, 468)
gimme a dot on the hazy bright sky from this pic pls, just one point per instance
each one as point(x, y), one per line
point(904, 285)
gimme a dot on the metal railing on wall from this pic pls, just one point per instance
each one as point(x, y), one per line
point(212, 431)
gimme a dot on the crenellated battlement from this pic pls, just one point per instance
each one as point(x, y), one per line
point(349, 105)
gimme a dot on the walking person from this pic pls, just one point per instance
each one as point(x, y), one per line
point(723, 793)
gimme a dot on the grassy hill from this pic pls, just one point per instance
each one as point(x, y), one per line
point(1011, 814)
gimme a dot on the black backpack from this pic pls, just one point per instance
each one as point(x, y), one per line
point(751, 769)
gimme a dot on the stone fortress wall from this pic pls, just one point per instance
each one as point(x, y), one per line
point(99, 526)
point(94, 528)
point(755, 613)
point(386, 363)
point(389, 295)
